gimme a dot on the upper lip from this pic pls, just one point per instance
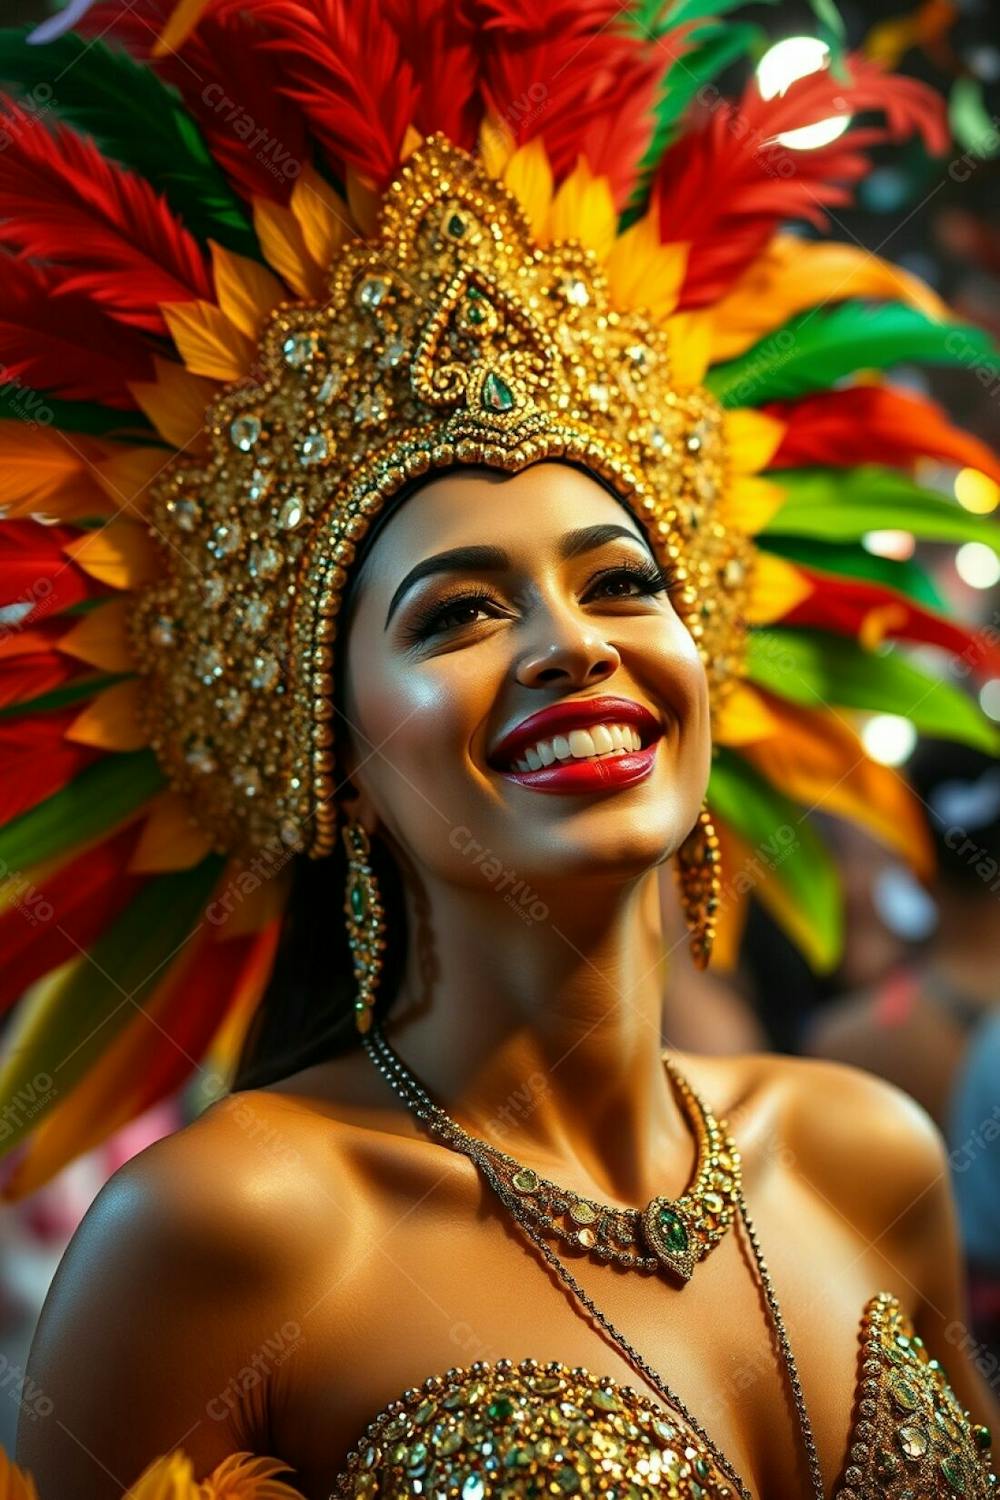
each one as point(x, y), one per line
point(576, 713)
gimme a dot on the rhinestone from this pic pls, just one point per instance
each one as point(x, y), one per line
point(598, 393)
point(526, 1181)
point(658, 439)
point(372, 291)
point(209, 664)
point(714, 1202)
point(638, 353)
point(213, 591)
point(392, 354)
point(587, 1238)
point(331, 384)
point(473, 1488)
point(266, 561)
point(313, 448)
point(256, 613)
point(265, 671)
point(575, 291)
point(291, 833)
point(233, 706)
point(247, 780)
point(291, 514)
point(185, 512)
point(199, 757)
point(497, 394)
point(954, 1471)
point(259, 482)
point(371, 408)
point(244, 432)
point(903, 1393)
point(226, 538)
point(582, 1213)
point(912, 1440)
point(298, 349)
point(162, 631)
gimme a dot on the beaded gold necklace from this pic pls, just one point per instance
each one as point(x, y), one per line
point(669, 1235)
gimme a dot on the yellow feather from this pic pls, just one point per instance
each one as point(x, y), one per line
point(776, 586)
point(182, 21)
point(168, 1478)
point(247, 291)
point(583, 209)
point(643, 272)
point(744, 716)
point(170, 838)
point(207, 342)
point(749, 502)
point(47, 472)
point(529, 177)
point(364, 201)
point(793, 275)
point(111, 721)
point(122, 554)
point(322, 215)
point(752, 439)
point(15, 1483)
point(176, 402)
point(127, 474)
point(283, 243)
point(690, 343)
point(496, 145)
point(100, 638)
point(816, 757)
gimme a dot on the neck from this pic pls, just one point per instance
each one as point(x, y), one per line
point(542, 1034)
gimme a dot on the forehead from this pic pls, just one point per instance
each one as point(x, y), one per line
point(523, 513)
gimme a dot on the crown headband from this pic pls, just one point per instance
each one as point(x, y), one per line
point(449, 337)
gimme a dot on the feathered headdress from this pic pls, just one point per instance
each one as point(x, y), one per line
point(178, 195)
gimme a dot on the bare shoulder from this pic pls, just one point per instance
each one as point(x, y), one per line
point(870, 1149)
point(182, 1265)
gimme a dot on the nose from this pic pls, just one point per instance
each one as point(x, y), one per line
point(569, 652)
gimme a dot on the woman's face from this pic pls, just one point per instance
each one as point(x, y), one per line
point(486, 601)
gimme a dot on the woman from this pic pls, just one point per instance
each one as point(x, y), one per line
point(453, 594)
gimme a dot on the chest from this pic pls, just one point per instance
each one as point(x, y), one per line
point(457, 1282)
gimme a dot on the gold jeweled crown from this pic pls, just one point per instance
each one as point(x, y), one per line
point(448, 337)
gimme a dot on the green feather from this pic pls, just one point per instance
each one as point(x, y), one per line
point(785, 845)
point(821, 670)
point(902, 574)
point(61, 697)
point(816, 349)
point(95, 802)
point(97, 998)
point(137, 119)
point(719, 47)
point(840, 505)
point(19, 404)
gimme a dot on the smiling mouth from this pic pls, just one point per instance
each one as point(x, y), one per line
point(599, 742)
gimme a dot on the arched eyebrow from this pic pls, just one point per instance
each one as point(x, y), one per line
point(488, 559)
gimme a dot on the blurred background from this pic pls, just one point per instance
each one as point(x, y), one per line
point(916, 997)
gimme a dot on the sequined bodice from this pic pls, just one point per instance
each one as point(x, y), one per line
point(511, 1430)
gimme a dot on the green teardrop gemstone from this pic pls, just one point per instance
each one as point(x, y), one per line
point(674, 1233)
point(359, 903)
point(497, 394)
point(456, 225)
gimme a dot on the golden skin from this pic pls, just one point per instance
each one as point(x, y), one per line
point(271, 1276)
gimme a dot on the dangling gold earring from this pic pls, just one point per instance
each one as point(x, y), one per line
point(365, 922)
point(697, 866)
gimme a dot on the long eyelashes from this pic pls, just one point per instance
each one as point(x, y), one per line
point(443, 615)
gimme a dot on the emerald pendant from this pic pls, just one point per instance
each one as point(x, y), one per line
point(666, 1232)
point(497, 394)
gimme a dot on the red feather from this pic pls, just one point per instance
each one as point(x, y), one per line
point(61, 343)
point(842, 604)
point(565, 72)
point(341, 60)
point(31, 664)
point(438, 40)
point(36, 761)
point(114, 239)
point(54, 922)
point(874, 424)
point(37, 579)
point(728, 183)
point(209, 987)
point(229, 84)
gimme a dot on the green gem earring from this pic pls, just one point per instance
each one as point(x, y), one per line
point(365, 922)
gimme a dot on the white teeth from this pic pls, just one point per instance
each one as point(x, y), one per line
point(580, 744)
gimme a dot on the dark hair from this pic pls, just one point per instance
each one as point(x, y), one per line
point(307, 1011)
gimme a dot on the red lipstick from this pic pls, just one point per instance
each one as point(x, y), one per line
point(605, 772)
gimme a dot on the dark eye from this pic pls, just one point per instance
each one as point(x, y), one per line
point(452, 614)
point(635, 581)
